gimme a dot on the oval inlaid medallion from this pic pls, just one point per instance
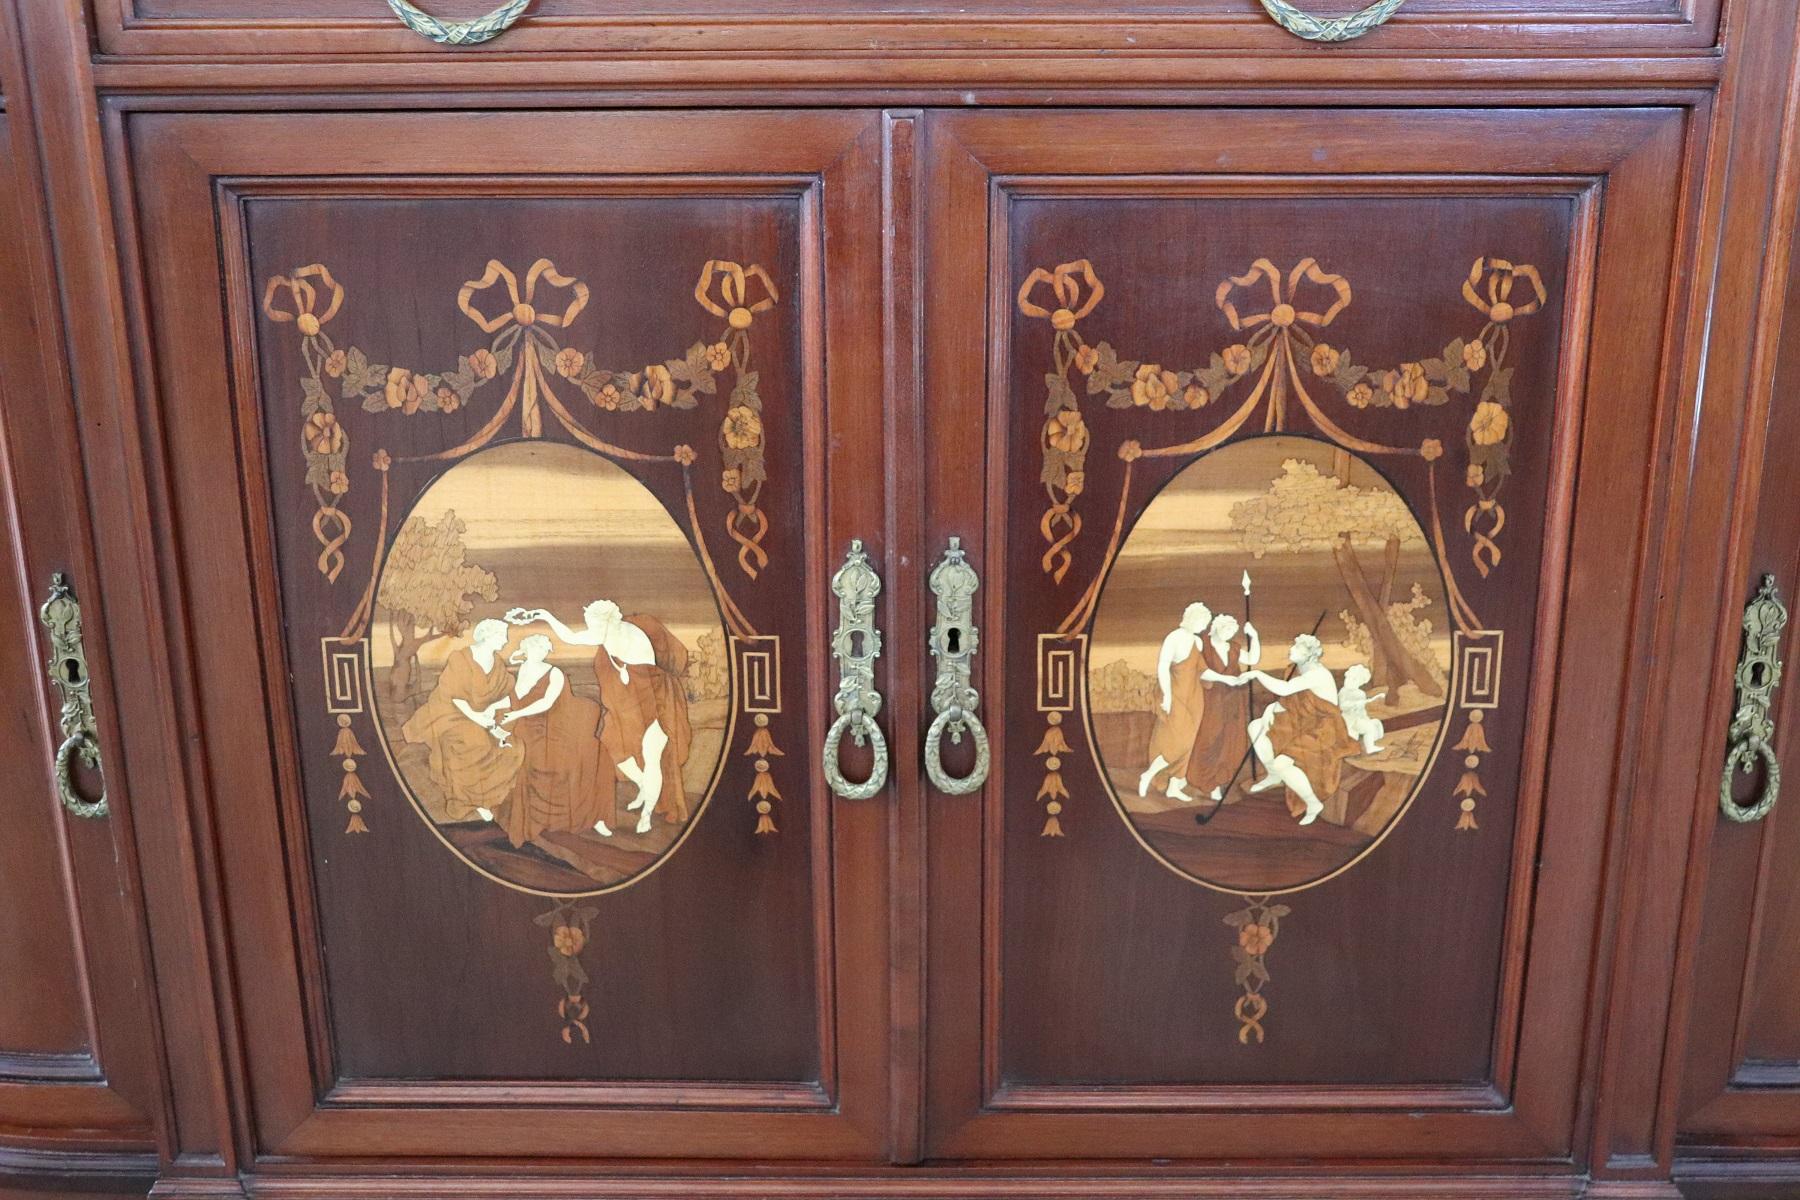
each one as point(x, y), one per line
point(551, 677)
point(1269, 664)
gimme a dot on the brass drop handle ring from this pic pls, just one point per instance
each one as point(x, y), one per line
point(1752, 731)
point(1330, 29)
point(856, 645)
point(61, 615)
point(472, 32)
point(953, 642)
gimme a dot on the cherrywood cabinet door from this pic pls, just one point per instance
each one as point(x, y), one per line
point(1740, 1109)
point(1305, 459)
point(75, 1057)
point(505, 533)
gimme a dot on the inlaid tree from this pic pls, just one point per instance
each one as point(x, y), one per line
point(428, 588)
point(1308, 510)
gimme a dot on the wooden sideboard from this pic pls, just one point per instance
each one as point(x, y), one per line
point(928, 601)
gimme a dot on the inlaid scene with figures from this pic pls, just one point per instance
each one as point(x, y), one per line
point(550, 669)
point(1276, 581)
point(1269, 664)
point(539, 531)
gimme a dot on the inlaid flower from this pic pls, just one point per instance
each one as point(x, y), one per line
point(1324, 360)
point(1489, 424)
point(1236, 358)
point(448, 400)
point(483, 365)
point(1152, 387)
point(659, 385)
point(568, 940)
point(1475, 476)
point(731, 480)
point(335, 363)
point(1406, 386)
point(405, 390)
point(608, 397)
point(1086, 359)
point(1359, 396)
point(338, 483)
point(1475, 354)
point(743, 428)
point(323, 434)
point(718, 356)
point(569, 362)
point(1256, 939)
point(1075, 482)
point(1068, 432)
point(1431, 449)
point(1196, 396)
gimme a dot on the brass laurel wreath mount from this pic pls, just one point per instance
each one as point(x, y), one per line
point(1325, 29)
point(1752, 731)
point(472, 32)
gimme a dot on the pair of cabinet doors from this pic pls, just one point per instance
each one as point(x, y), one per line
point(1301, 462)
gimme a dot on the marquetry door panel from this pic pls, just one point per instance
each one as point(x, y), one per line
point(1386, 388)
point(74, 1049)
point(1741, 1090)
point(496, 490)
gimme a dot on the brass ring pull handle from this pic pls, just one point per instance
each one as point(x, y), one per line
point(1328, 29)
point(472, 32)
point(68, 671)
point(856, 645)
point(953, 642)
point(1752, 729)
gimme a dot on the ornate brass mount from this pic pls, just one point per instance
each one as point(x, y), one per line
point(953, 642)
point(1752, 728)
point(61, 614)
point(1328, 29)
point(472, 32)
point(856, 645)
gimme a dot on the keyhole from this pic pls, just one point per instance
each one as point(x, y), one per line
point(1756, 674)
point(72, 670)
point(856, 643)
point(953, 640)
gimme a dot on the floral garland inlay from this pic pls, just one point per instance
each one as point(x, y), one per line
point(1281, 357)
point(520, 315)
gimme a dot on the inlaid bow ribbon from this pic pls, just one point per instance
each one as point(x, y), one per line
point(1276, 330)
point(524, 310)
point(305, 297)
point(522, 318)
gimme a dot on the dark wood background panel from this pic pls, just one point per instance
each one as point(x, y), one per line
point(1416, 927)
point(1506, 1089)
point(726, 903)
point(799, 1074)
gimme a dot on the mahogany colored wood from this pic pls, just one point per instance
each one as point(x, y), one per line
point(1619, 251)
point(76, 1074)
point(1740, 1104)
point(934, 1007)
point(361, 28)
point(796, 1071)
